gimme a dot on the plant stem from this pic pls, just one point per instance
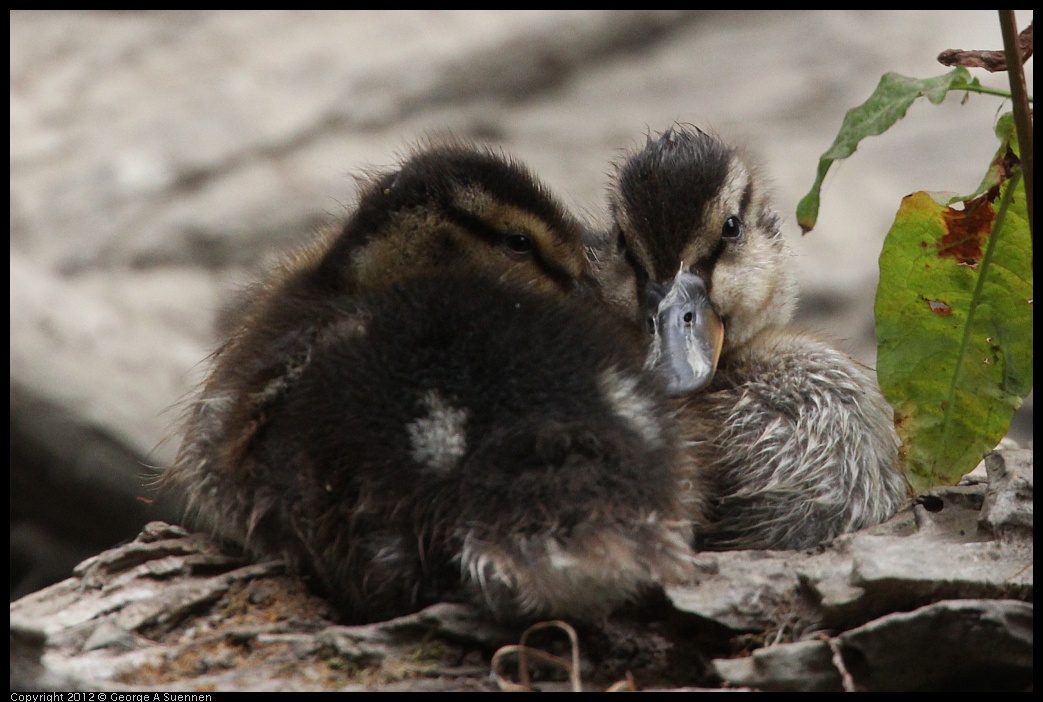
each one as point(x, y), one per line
point(985, 90)
point(1019, 96)
point(984, 268)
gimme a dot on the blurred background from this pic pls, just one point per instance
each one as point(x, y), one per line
point(159, 159)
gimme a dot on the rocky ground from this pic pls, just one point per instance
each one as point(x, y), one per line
point(938, 598)
point(159, 158)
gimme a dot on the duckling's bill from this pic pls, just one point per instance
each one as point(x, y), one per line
point(687, 334)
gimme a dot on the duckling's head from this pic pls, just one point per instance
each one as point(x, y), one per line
point(696, 225)
point(455, 205)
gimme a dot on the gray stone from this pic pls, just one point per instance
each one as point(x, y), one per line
point(805, 666)
point(953, 646)
point(748, 590)
point(1007, 511)
point(918, 556)
point(927, 579)
point(950, 646)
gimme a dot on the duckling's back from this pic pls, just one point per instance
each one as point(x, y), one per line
point(457, 437)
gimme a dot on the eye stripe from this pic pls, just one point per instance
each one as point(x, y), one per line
point(710, 262)
point(469, 222)
point(474, 224)
point(641, 272)
point(747, 196)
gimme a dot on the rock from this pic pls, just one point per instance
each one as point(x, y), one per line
point(1007, 511)
point(920, 555)
point(926, 601)
point(170, 611)
point(805, 666)
point(949, 646)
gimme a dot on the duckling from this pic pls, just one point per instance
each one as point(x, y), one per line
point(457, 436)
point(448, 205)
point(426, 407)
point(790, 436)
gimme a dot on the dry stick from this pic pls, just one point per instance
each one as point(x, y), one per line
point(523, 673)
point(524, 651)
point(1019, 95)
point(573, 638)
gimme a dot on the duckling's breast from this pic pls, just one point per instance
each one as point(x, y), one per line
point(797, 443)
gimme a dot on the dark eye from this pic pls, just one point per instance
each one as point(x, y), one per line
point(519, 243)
point(732, 228)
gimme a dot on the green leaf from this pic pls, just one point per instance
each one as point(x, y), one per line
point(889, 102)
point(954, 322)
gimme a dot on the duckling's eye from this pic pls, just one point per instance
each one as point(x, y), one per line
point(732, 228)
point(519, 243)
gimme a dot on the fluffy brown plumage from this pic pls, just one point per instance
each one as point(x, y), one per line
point(425, 405)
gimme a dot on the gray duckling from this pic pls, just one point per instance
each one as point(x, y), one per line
point(791, 440)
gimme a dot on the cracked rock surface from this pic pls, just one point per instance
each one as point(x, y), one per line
point(936, 599)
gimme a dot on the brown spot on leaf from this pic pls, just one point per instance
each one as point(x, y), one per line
point(966, 231)
point(940, 308)
point(903, 425)
point(1004, 165)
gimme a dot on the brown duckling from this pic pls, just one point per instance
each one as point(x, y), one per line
point(423, 408)
point(448, 205)
point(791, 438)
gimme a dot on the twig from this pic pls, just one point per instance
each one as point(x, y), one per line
point(523, 651)
point(1019, 94)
